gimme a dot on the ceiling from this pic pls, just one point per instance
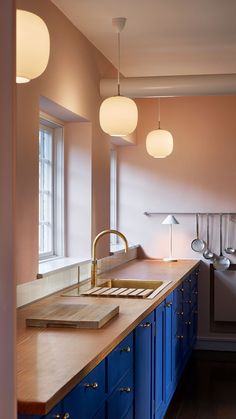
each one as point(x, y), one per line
point(161, 37)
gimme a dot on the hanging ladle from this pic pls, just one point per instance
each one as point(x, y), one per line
point(208, 254)
point(198, 245)
point(229, 249)
point(221, 263)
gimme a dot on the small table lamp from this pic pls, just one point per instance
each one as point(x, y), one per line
point(170, 220)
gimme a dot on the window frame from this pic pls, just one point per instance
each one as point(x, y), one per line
point(58, 236)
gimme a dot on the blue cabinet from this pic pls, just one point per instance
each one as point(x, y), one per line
point(143, 367)
point(121, 400)
point(119, 361)
point(138, 378)
point(88, 396)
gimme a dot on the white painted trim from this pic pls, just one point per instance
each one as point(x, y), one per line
point(216, 344)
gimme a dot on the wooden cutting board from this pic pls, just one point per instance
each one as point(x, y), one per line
point(85, 316)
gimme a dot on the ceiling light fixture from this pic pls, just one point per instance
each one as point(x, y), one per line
point(32, 46)
point(118, 115)
point(159, 143)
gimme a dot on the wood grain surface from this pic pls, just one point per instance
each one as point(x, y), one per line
point(51, 361)
point(85, 316)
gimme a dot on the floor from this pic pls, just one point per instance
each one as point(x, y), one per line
point(207, 389)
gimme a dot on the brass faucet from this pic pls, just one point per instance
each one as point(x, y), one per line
point(94, 247)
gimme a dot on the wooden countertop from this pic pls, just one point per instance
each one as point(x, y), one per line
point(50, 362)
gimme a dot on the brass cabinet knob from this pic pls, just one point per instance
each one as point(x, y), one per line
point(94, 385)
point(168, 305)
point(126, 349)
point(125, 389)
point(146, 324)
point(179, 337)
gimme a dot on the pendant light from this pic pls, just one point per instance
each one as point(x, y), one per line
point(32, 46)
point(159, 143)
point(118, 115)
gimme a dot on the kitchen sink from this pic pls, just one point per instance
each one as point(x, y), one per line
point(123, 288)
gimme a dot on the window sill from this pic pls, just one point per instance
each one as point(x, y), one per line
point(49, 267)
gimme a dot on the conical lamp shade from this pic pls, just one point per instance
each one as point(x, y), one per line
point(159, 143)
point(170, 219)
point(118, 116)
point(32, 46)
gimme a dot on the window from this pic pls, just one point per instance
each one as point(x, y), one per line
point(113, 195)
point(51, 197)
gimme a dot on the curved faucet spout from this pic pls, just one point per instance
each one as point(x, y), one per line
point(94, 248)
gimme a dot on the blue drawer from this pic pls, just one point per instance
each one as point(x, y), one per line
point(88, 396)
point(121, 400)
point(119, 361)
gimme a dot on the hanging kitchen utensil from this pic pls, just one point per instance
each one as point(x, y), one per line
point(229, 249)
point(198, 245)
point(208, 254)
point(221, 263)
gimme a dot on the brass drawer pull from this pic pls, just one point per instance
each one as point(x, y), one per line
point(168, 305)
point(146, 324)
point(127, 349)
point(125, 389)
point(94, 385)
point(65, 416)
point(179, 313)
point(179, 337)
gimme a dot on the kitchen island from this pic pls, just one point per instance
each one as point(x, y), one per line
point(52, 361)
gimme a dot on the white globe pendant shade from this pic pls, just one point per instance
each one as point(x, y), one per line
point(118, 116)
point(32, 46)
point(159, 143)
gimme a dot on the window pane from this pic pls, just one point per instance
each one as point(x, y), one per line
point(45, 191)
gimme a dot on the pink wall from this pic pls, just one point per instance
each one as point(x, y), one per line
point(71, 80)
point(78, 189)
point(7, 191)
point(199, 176)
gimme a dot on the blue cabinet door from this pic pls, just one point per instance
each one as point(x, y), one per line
point(143, 367)
point(159, 360)
point(119, 361)
point(121, 399)
point(88, 396)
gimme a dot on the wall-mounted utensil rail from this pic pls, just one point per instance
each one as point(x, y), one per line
point(189, 213)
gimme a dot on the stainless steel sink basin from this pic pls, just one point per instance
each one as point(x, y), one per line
point(123, 288)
